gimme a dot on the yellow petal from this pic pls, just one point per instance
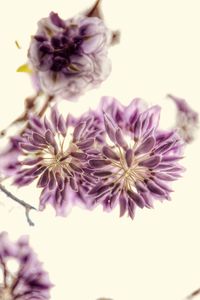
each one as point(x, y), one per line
point(17, 44)
point(24, 68)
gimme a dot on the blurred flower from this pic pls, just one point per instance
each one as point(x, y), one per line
point(56, 153)
point(22, 277)
point(187, 120)
point(137, 161)
point(9, 156)
point(69, 57)
point(104, 299)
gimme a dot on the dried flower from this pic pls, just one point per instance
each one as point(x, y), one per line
point(23, 276)
point(56, 153)
point(187, 120)
point(70, 56)
point(137, 161)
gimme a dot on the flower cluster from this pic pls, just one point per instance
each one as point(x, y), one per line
point(69, 57)
point(115, 155)
point(187, 120)
point(22, 275)
point(56, 154)
point(137, 160)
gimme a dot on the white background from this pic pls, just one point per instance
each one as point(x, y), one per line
point(93, 254)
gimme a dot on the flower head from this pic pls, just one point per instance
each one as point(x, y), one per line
point(70, 56)
point(55, 153)
point(22, 274)
point(187, 119)
point(137, 161)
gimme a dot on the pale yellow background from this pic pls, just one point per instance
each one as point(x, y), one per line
point(88, 255)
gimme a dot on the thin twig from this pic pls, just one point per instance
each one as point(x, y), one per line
point(192, 295)
point(29, 104)
point(45, 106)
point(40, 113)
point(95, 10)
point(27, 206)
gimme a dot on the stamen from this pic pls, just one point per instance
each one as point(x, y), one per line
point(131, 173)
point(63, 158)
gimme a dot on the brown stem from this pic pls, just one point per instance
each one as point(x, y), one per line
point(95, 10)
point(41, 112)
point(45, 106)
point(115, 37)
point(5, 273)
point(192, 295)
point(27, 206)
point(29, 104)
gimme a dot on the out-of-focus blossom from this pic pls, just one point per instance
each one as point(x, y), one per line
point(69, 57)
point(22, 275)
point(56, 154)
point(187, 120)
point(137, 160)
point(104, 299)
point(9, 156)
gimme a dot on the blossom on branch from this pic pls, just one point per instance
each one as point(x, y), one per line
point(9, 156)
point(55, 153)
point(114, 155)
point(22, 274)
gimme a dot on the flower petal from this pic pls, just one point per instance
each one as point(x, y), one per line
point(120, 139)
point(109, 153)
point(44, 179)
point(99, 163)
point(136, 198)
point(129, 157)
point(146, 146)
point(154, 188)
point(151, 162)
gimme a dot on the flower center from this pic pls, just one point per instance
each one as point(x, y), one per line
point(8, 277)
point(58, 156)
point(129, 172)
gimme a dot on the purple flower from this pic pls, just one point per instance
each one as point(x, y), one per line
point(70, 56)
point(55, 153)
point(113, 155)
point(136, 161)
point(23, 277)
point(122, 115)
point(9, 157)
point(187, 119)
